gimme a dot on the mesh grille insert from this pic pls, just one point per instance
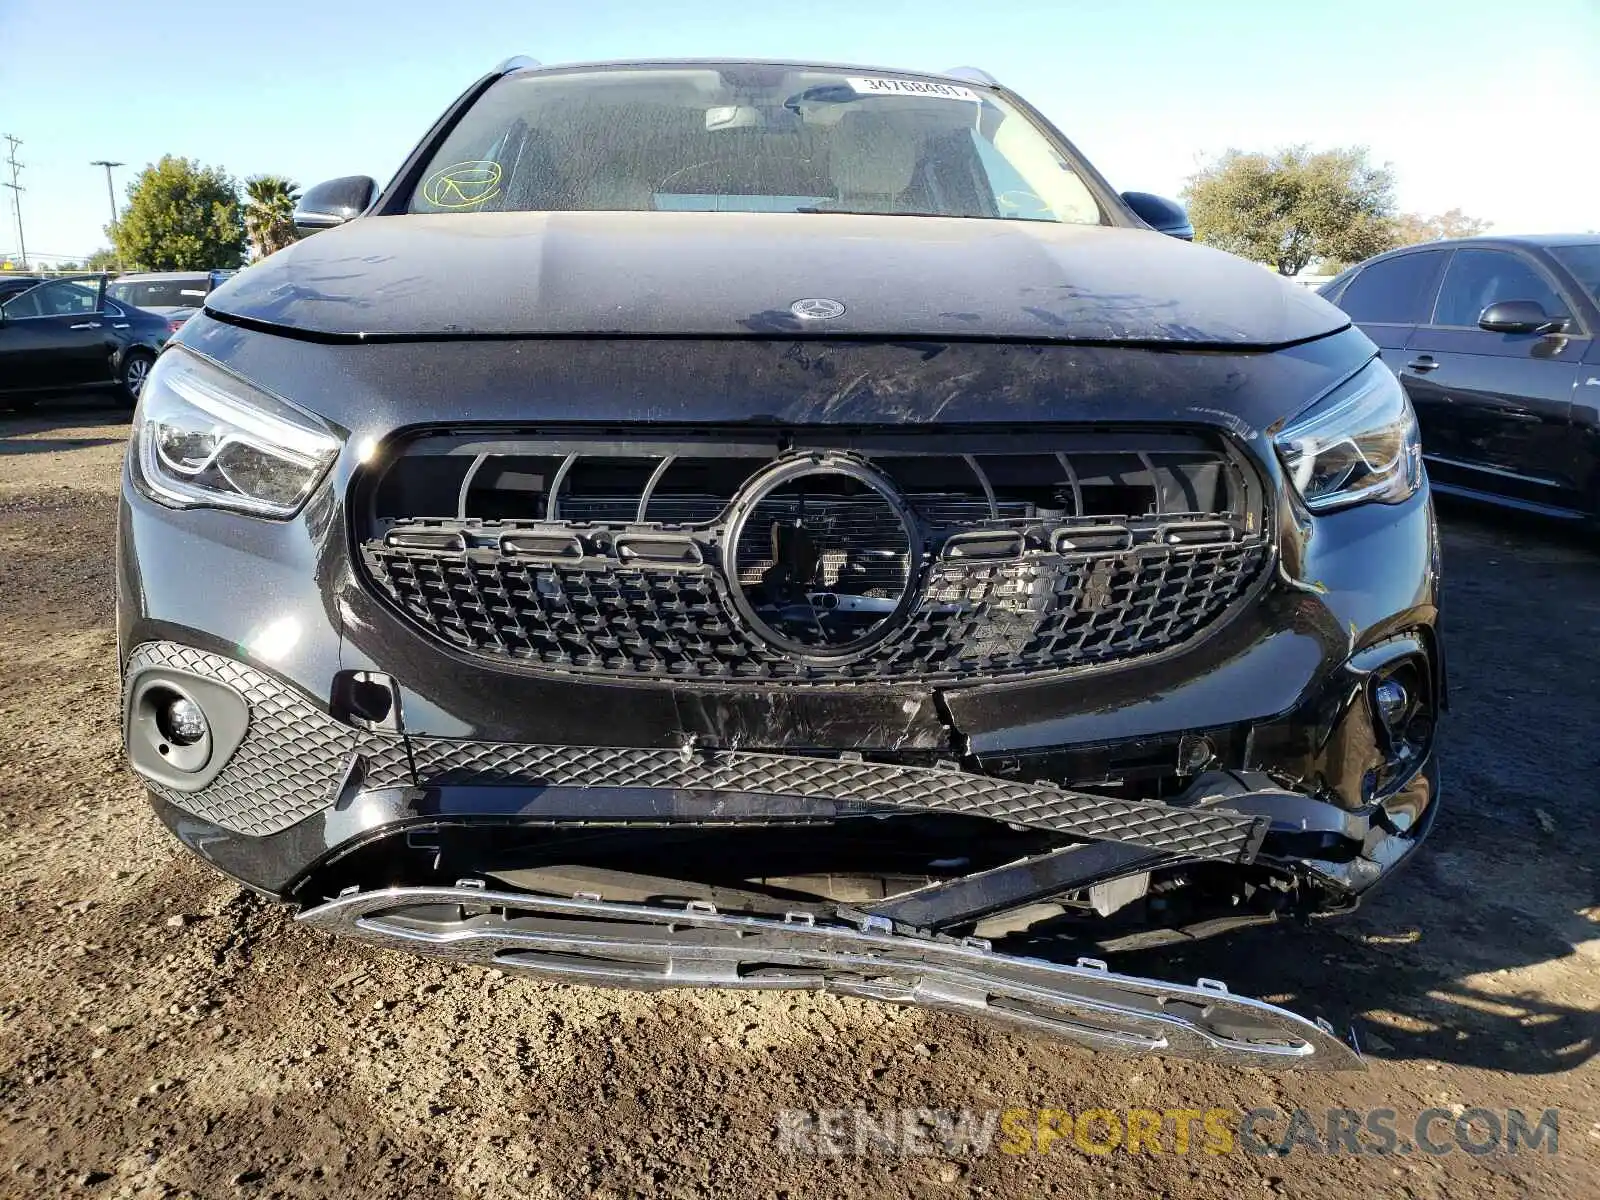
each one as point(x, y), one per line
point(882, 557)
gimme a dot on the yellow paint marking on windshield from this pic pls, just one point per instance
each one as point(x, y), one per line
point(463, 184)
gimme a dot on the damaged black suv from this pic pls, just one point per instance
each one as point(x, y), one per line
point(753, 524)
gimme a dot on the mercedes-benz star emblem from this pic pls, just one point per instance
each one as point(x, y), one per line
point(818, 308)
point(821, 556)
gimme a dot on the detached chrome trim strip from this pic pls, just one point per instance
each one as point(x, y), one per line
point(587, 940)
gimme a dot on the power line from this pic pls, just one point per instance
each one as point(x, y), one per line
point(53, 254)
point(16, 194)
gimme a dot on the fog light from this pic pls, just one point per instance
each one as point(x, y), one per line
point(181, 722)
point(1392, 701)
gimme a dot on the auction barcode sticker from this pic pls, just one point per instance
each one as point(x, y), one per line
point(912, 87)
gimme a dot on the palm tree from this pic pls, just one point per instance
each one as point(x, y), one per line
point(269, 213)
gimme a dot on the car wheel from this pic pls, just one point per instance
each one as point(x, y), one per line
point(135, 370)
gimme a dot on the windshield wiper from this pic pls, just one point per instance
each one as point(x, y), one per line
point(862, 212)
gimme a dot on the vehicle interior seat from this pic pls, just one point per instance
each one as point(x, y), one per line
point(871, 166)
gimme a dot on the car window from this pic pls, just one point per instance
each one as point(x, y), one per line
point(1394, 291)
point(749, 138)
point(23, 304)
point(1584, 263)
point(1334, 288)
point(62, 298)
point(1013, 197)
point(1479, 278)
point(160, 293)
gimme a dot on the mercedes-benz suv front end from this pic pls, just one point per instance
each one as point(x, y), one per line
point(766, 525)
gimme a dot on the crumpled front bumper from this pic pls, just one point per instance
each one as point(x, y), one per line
point(298, 786)
point(303, 788)
point(296, 761)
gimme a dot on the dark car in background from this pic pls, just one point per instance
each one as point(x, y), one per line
point(175, 295)
point(1495, 340)
point(65, 334)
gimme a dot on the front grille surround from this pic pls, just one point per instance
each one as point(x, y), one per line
point(999, 584)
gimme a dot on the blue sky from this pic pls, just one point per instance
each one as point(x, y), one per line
point(1476, 104)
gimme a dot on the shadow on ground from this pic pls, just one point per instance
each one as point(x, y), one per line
point(70, 410)
point(13, 446)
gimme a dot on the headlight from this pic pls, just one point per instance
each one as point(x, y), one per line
point(205, 437)
point(1357, 443)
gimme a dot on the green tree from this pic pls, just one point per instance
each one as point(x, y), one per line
point(101, 260)
point(1411, 228)
point(1291, 207)
point(180, 216)
point(269, 202)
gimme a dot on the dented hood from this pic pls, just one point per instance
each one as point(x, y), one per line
point(730, 274)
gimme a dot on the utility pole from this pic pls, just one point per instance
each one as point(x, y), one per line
point(111, 192)
point(16, 194)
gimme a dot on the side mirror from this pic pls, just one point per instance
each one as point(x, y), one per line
point(334, 202)
point(1162, 215)
point(1519, 316)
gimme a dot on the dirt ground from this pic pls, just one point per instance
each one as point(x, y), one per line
point(162, 1033)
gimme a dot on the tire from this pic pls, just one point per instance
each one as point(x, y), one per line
point(135, 370)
